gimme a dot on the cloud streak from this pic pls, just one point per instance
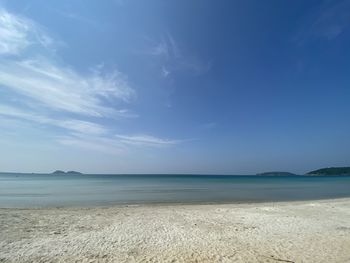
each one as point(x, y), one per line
point(146, 140)
point(173, 58)
point(73, 101)
point(62, 88)
point(68, 124)
point(99, 144)
point(18, 33)
point(47, 82)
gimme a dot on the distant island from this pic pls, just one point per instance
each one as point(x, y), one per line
point(276, 174)
point(60, 172)
point(343, 171)
point(331, 171)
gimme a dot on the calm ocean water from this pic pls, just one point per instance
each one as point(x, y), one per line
point(40, 190)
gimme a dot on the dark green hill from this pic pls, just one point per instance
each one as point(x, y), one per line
point(73, 172)
point(331, 171)
point(58, 172)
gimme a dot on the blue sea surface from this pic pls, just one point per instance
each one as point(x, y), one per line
point(48, 190)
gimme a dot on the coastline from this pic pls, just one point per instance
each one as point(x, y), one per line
point(297, 231)
point(171, 204)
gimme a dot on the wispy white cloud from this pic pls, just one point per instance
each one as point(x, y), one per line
point(173, 58)
point(93, 143)
point(84, 127)
point(43, 91)
point(17, 33)
point(114, 145)
point(62, 88)
point(328, 22)
point(50, 83)
point(13, 33)
point(165, 72)
point(146, 140)
point(86, 134)
point(78, 18)
point(159, 49)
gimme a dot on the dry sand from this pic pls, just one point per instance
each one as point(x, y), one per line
point(313, 231)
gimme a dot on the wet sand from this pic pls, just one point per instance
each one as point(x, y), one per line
point(308, 231)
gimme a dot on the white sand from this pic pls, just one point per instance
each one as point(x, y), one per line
point(314, 231)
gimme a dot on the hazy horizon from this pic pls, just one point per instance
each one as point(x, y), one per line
point(118, 173)
point(182, 87)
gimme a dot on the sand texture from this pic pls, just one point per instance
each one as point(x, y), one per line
point(312, 231)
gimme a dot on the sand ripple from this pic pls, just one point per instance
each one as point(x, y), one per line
point(317, 231)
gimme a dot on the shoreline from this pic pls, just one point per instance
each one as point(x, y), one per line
point(170, 204)
point(298, 231)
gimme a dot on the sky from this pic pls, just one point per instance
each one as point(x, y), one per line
point(211, 87)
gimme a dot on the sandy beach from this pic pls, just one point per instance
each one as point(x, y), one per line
point(309, 231)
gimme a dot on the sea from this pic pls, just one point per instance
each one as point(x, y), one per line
point(49, 190)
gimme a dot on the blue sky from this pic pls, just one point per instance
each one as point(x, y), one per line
point(225, 87)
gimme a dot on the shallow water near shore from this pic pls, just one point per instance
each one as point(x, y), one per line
point(47, 190)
